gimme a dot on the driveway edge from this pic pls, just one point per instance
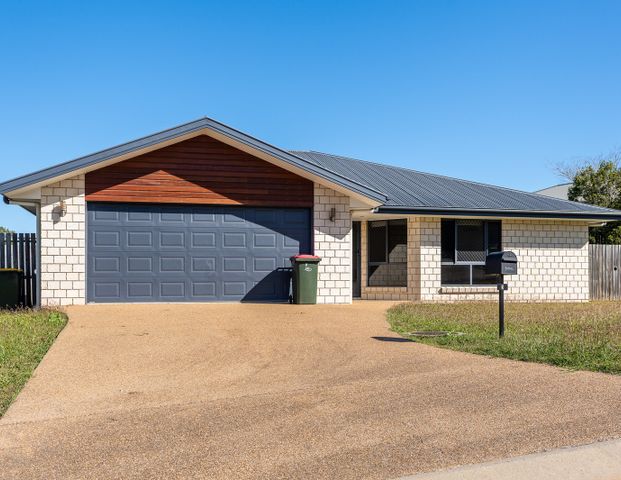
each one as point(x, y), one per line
point(596, 461)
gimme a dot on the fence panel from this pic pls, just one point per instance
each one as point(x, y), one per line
point(19, 250)
point(605, 272)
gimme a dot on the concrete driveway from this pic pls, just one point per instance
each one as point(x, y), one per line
point(280, 391)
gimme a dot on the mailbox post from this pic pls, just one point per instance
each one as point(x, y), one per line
point(501, 264)
point(501, 306)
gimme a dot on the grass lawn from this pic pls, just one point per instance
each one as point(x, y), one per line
point(25, 336)
point(583, 336)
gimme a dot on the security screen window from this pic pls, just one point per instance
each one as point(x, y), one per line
point(465, 244)
point(387, 257)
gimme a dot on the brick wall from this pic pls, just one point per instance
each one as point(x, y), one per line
point(554, 259)
point(63, 252)
point(332, 242)
point(553, 264)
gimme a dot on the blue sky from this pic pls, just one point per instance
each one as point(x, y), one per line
point(497, 92)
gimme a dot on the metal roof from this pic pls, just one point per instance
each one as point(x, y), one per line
point(179, 131)
point(410, 191)
point(398, 190)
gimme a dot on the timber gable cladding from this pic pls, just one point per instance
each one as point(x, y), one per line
point(200, 170)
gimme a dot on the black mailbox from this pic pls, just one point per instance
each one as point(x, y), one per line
point(501, 263)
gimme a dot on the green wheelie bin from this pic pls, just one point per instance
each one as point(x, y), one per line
point(305, 279)
point(9, 287)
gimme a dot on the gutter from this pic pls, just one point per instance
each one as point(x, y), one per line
point(400, 210)
point(25, 204)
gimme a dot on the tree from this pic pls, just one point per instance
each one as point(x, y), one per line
point(5, 230)
point(598, 181)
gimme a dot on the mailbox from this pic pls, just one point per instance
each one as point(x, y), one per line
point(501, 263)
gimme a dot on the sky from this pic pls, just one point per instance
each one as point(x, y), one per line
point(493, 91)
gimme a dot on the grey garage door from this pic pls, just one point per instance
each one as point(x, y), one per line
point(161, 253)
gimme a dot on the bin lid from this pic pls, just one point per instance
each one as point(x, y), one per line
point(302, 257)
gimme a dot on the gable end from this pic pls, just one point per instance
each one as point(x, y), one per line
point(200, 170)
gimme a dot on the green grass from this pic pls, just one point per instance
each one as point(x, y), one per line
point(575, 336)
point(25, 336)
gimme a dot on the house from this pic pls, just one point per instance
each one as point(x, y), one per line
point(557, 191)
point(203, 212)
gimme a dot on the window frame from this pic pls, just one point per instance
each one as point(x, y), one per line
point(470, 264)
point(386, 250)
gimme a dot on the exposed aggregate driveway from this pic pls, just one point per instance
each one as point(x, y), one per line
point(246, 391)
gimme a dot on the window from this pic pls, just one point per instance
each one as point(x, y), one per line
point(387, 257)
point(465, 244)
point(378, 241)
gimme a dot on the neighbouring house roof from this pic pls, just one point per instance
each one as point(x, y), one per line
point(410, 191)
point(394, 189)
point(557, 191)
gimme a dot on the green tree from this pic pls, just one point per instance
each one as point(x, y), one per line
point(598, 182)
point(5, 230)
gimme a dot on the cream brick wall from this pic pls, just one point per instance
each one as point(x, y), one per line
point(553, 264)
point(553, 259)
point(332, 242)
point(63, 243)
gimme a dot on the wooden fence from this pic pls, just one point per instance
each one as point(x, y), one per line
point(605, 272)
point(19, 250)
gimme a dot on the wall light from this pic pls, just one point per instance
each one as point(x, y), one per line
point(332, 214)
point(62, 208)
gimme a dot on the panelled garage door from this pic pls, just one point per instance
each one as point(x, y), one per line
point(170, 253)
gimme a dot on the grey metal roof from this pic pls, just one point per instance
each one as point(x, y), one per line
point(175, 132)
point(399, 190)
point(410, 191)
